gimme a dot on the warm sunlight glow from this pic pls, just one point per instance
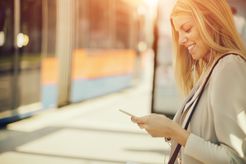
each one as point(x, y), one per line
point(151, 3)
point(141, 10)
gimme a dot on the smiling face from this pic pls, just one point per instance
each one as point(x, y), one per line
point(189, 36)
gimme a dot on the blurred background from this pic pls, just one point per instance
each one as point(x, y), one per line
point(67, 66)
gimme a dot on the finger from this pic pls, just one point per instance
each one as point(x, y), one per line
point(135, 119)
point(139, 120)
point(143, 126)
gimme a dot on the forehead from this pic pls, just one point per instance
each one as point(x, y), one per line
point(180, 20)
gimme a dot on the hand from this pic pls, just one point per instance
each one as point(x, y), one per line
point(160, 126)
point(155, 124)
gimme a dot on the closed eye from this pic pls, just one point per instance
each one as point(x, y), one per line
point(187, 27)
point(188, 30)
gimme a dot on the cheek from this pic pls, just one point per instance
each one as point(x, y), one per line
point(206, 50)
point(200, 44)
point(195, 36)
point(203, 49)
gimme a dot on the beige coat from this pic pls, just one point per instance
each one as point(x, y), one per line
point(218, 126)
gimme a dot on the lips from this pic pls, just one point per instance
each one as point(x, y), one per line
point(191, 47)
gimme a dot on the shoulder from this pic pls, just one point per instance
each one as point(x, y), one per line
point(232, 60)
point(229, 65)
point(229, 74)
point(228, 82)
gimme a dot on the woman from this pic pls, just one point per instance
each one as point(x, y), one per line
point(203, 31)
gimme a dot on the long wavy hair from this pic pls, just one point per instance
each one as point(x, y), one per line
point(217, 29)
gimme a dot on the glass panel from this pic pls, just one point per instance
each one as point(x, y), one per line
point(29, 42)
point(20, 64)
point(7, 52)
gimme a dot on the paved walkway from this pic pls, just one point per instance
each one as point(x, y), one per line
point(91, 132)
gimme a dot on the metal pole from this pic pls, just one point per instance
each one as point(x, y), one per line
point(15, 89)
point(64, 48)
point(155, 49)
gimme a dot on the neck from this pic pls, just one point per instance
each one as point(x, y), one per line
point(208, 58)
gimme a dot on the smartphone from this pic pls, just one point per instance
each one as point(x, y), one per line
point(127, 113)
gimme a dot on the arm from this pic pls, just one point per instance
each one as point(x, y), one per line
point(228, 102)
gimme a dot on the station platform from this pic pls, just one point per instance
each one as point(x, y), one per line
point(90, 132)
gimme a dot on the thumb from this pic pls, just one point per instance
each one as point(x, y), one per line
point(143, 126)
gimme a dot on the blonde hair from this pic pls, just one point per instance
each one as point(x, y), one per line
point(215, 24)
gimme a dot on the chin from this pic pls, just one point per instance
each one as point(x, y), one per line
point(195, 57)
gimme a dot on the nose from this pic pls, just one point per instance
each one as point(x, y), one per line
point(182, 39)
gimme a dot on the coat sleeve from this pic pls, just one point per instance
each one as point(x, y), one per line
point(227, 100)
